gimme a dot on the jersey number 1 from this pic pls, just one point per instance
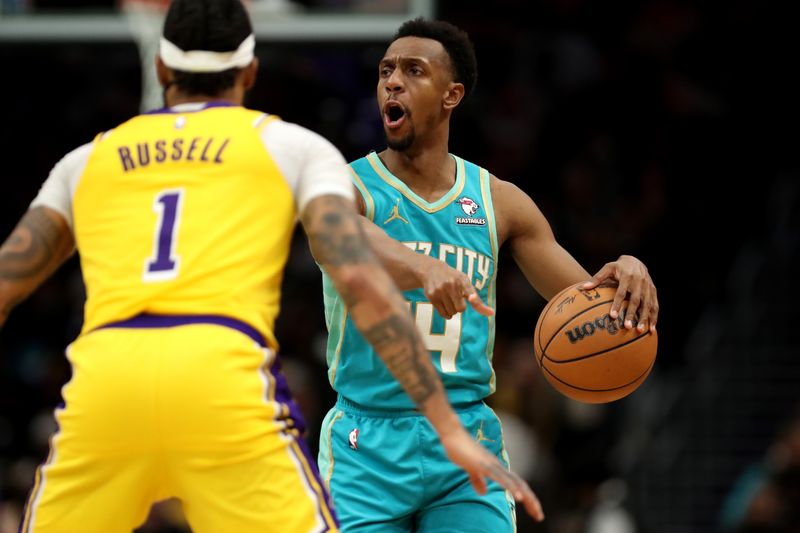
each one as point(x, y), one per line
point(163, 264)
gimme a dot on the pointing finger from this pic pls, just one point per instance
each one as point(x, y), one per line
point(477, 304)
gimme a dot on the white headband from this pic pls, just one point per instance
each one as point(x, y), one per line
point(204, 61)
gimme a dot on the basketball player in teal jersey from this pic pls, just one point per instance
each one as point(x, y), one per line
point(385, 468)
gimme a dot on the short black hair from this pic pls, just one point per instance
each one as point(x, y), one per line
point(456, 43)
point(211, 26)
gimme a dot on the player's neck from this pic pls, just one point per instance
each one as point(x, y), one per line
point(175, 97)
point(429, 172)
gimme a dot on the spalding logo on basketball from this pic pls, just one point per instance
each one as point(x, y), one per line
point(587, 355)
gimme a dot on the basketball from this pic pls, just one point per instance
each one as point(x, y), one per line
point(584, 353)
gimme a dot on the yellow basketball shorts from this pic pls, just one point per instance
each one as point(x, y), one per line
point(197, 412)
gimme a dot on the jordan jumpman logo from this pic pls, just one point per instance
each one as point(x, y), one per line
point(481, 436)
point(395, 214)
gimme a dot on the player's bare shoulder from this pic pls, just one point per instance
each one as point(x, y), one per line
point(506, 193)
point(515, 211)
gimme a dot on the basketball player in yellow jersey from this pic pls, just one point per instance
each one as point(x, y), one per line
point(183, 219)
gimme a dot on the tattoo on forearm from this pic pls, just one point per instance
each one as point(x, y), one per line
point(394, 337)
point(338, 240)
point(33, 249)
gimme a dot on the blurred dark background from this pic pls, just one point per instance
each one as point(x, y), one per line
point(664, 129)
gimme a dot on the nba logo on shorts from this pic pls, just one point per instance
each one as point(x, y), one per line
point(353, 437)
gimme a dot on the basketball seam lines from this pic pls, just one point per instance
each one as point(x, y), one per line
point(597, 353)
point(602, 390)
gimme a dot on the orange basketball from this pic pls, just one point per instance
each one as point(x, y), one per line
point(584, 353)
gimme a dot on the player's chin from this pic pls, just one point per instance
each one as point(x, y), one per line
point(398, 142)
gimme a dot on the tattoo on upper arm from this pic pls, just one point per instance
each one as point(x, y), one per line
point(335, 234)
point(34, 249)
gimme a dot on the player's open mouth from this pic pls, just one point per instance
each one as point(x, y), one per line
point(393, 114)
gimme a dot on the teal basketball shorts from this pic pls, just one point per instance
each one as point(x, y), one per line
point(387, 472)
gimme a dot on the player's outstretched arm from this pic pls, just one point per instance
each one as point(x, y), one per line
point(526, 231)
point(550, 268)
point(39, 244)
point(447, 289)
point(339, 245)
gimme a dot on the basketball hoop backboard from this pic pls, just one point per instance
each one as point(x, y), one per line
point(273, 20)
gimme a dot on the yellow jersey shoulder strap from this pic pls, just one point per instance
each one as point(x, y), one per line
point(262, 121)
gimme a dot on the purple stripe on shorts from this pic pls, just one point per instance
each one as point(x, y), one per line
point(312, 464)
point(284, 396)
point(38, 487)
point(146, 320)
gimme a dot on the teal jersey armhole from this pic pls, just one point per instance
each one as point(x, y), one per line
point(486, 195)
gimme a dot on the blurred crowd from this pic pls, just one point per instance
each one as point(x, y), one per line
point(766, 495)
point(628, 124)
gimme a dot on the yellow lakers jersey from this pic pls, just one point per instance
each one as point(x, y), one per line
point(184, 213)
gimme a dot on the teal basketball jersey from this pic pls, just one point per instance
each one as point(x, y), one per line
point(459, 228)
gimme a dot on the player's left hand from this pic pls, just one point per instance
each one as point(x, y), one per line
point(634, 284)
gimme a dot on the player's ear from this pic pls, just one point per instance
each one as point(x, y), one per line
point(453, 95)
point(162, 71)
point(249, 74)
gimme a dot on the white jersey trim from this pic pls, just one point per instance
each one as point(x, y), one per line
point(311, 165)
point(59, 188)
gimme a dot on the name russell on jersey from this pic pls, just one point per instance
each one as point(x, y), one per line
point(206, 150)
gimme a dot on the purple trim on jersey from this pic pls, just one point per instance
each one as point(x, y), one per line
point(146, 320)
point(170, 111)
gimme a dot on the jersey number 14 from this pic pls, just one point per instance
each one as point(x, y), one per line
point(447, 342)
